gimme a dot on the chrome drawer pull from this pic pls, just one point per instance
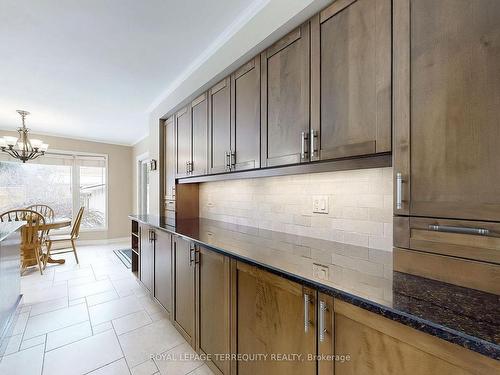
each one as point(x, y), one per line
point(399, 191)
point(322, 329)
point(307, 301)
point(459, 230)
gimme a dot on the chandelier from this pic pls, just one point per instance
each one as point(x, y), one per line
point(22, 147)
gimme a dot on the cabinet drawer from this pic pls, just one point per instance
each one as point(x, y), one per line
point(474, 240)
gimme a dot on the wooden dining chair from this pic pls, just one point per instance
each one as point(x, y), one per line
point(32, 236)
point(71, 238)
point(46, 211)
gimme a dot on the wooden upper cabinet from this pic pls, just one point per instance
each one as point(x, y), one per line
point(351, 79)
point(183, 142)
point(273, 315)
point(245, 116)
point(170, 158)
point(447, 100)
point(220, 126)
point(199, 118)
point(285, 99)
point(213, 293)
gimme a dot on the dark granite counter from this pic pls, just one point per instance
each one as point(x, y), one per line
point(361, 276)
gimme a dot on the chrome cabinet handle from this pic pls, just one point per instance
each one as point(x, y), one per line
point(187, 167)
point(303, 139)
point(307, 301)
point(322, 329)
point(190, 167)
point(314, 135)
point(191, 255)
point(233, 159)
point(459, 230)
point(228, 160)
point(399, 191)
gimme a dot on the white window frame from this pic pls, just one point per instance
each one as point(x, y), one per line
point(75, 185)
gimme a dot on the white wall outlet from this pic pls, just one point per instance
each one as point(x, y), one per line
point(320, 204)
point(320, 271)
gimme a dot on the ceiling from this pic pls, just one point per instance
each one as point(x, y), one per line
point(91, 69)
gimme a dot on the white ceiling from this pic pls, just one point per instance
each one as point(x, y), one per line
point(91, 68)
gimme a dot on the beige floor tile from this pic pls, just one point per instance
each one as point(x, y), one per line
point(159, 315)
point(43, 307)
point(54, 320)
point(83, 356)
point(89, 289)
point(68, 335)
point(145, 368)
point(98, 328)
point(96, 299)
point(18, 363)
point(113, 309)
point(158, 337)
point(20, 324)
point(74, 274)
point(150, 305)
point(36, 295)
point(116, 368)
point(12, 344)
point(132, 321)
point(203, 370)
point(178, 360)
point(29, 343)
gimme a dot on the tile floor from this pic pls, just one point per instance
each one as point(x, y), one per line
point(93, 318)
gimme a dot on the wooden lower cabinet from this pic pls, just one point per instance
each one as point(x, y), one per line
point(184, 288)
point(379, 346)
point(163, 270)
point(146, 262)
point(274, 317)
point(213, 294)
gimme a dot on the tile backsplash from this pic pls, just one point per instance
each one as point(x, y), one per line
point(359, 205)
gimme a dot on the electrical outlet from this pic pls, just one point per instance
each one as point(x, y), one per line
point(320, 204)
point(320, 271)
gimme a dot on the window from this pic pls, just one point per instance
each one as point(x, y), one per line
point(63, 181)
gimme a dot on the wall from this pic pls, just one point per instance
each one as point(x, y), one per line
point(360, 205)
point(119, 180)
point(138, 149)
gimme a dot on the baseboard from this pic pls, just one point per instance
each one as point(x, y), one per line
point(104, 241)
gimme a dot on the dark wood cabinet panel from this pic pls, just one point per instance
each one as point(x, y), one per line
point(274, 315)
point(163, 269)
point(184, 288)
point(220, 126)
point(170, 158)
point(447, 99)
point(146, 262)
point(351, 79)
point(326, 334)
point(213, 307)
point(245, 116)
point(184, 142)
point(285, 99)
point(199, 116)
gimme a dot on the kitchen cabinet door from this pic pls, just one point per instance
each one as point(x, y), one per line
point(170, 159)
point(199, 118)
point(351, 79)
point(220, 126)
point(213, 307)
point(184, 142)
point(163, 269)
point(274, 316)
point(447, 122)
point(146, 256)
point(379, 346)
point(285, 99)
point(245, 116)
point(326, 335)
point(184, 283)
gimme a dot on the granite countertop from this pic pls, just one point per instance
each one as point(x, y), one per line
point(6, 228)
point(359, 275)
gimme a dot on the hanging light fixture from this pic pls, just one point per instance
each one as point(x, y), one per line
point(22, 147)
